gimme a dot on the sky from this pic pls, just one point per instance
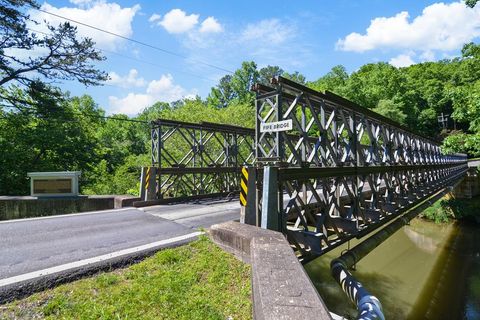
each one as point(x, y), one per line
point(189, 45)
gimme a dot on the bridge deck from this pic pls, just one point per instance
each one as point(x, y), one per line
point(473, 163)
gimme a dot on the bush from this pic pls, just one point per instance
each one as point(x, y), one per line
point(450, 207)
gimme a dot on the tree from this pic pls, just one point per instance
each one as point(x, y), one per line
point(236, 87)
point(471, 3)
point(335, 80)
point(56, 136)
point(391, 110)
point(41, 128)
point(296, 76)
point(243, 80)
point(59, 55)
point(223, 93)
point(269, 72)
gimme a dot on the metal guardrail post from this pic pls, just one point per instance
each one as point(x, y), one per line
point(271, 214)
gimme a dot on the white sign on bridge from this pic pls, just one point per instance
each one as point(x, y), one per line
point(284, 125)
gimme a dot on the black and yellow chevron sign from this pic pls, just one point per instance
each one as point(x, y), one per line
point(243, 187)
point(147, 180)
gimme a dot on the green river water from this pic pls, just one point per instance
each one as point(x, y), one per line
point(423, 271)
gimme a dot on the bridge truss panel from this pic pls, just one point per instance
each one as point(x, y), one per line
point(330, 131)
point(325, 207)
point(199, 159)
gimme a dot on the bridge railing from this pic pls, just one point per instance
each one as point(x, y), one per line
point(196, 160)
point(340, 170)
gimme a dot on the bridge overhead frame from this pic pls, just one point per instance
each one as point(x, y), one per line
point(342, 171)
point(198, 160)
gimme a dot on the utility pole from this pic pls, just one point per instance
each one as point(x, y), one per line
point(443, 120)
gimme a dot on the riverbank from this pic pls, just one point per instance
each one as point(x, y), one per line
point(450, 208)
point(196, 281)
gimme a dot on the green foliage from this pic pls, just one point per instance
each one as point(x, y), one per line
point(335, 80)
point(296, 76)
point(438, 212)
point(122, 179)
point(269, 72)
point(461, 142)
point(416, 95)
point(235, 87)
point(196, 281)
point(471, 3)
point(61, 56)
point(450, 207)
point(236, 113)
point(55, 137)
point(391, 110)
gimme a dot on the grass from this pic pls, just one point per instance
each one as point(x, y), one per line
point(196, 281)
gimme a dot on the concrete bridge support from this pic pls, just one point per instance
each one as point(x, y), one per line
point(281, 288)
point(470, 186)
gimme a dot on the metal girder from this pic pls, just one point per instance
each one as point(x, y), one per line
point(199, 158)
point(343, 169)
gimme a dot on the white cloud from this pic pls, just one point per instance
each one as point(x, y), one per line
point(177, 21)
point(128, 81)
point(130, 105)
point(441, 26)
point(81, 2)
point(428, 55)
point(264, 41)
point(270, 31)
point(163, 89)
point(211, 25)
point(154, 17)
point(402, 60)
point(108, 16)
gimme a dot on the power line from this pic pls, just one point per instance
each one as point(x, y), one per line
point(134, 41)
point(138, 60)
point(32, 109)
point(156, 65)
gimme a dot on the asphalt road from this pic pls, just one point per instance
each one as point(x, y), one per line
point(29, 245)
point(198, 215)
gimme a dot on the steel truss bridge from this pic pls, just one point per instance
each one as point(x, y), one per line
point(199, 160)
point(336, 172)
point(348, 171)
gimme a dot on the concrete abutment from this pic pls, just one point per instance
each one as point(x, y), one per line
point(281, 288)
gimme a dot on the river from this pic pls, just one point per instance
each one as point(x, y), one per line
point(423, 271)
